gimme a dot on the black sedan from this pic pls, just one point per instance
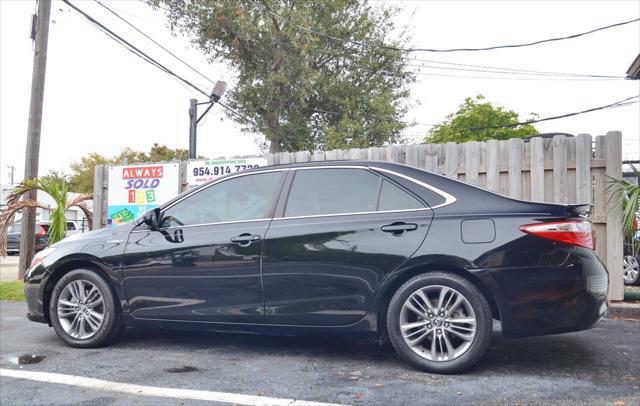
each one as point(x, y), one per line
point(404, 255)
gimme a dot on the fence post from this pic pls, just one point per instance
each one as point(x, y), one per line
point(615, 240)
point(98, 197)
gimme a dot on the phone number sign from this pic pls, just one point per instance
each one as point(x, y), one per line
point(199, 172)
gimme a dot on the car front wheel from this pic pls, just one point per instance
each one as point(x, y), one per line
point(439, 322)
point(83, 310)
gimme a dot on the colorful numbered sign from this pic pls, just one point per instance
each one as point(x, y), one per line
point(199, 172)
point(133, 190)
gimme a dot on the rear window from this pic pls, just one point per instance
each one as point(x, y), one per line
point(71, 225)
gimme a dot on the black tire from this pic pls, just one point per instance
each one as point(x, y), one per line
point(111, 323)
point(484, 323)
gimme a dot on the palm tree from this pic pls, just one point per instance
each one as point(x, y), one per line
point(56, 186)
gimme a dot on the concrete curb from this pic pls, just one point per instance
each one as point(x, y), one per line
point(624, 310)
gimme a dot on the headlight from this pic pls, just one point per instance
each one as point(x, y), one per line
point(40, 256)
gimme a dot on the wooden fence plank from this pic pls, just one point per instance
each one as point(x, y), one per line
point(598, 216)
point(451, 160)
point(431, 157)
point(560, 169)
point(537, 169)
point(583, 168)
point(613, 156)
point(516, 150)
point(472, 158)
point(492, 164)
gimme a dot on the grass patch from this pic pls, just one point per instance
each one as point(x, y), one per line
point(11, 290)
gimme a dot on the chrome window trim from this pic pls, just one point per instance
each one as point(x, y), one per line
point(350, 214)
point(449, 199)
point(206, 224)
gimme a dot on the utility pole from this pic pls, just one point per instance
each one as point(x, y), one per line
point(12, 169)
point(216, 94)
point(32, 155)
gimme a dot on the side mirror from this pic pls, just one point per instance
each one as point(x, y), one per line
point(153, 218)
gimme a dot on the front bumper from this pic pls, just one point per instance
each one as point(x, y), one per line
point(554, 299)
point(34, 291)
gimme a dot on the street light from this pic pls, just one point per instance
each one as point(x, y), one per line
point(216, 94)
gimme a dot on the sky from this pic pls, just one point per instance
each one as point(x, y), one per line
point(100, 98)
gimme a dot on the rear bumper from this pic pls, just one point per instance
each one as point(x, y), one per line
point(555, 299)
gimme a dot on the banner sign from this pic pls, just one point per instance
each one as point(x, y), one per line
point(133, 190)
point(199, 172)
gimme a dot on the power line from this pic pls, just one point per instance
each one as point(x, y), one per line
point(484, 68)
point(524, 71)
point(507, 72)
point(489, 48)
point(617, 104)
point(136, 51)
point(155, 42)
point(511, 78)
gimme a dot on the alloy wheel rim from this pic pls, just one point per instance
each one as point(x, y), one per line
point(438, 323)
point(631, 268)
point(80, 309)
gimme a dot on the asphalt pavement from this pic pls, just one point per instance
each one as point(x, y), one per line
point(599, 366)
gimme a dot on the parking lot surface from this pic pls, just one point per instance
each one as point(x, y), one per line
point(599, 366)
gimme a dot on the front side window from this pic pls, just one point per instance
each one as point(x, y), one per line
point(246, 197)
point(332, 191)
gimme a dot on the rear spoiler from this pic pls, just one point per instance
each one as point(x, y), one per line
point(582, 210)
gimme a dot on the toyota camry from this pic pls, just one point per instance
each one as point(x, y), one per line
point(421, 260)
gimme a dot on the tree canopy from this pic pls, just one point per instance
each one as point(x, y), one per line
point(475, 113)
point(302, 90)
point(81, 179)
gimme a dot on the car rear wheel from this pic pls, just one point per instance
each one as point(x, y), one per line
point(631, 271)
point(439, 322)
point(83, 310)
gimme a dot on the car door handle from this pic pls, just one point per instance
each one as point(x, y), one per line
point(245, 239)
point(399, 228)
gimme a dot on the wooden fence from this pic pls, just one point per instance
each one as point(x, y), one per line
point(561, 169)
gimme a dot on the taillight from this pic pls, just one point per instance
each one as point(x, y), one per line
point(41, 231)
point(573, 232)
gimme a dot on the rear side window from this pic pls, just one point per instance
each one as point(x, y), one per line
point(394, 198)
point(332, 191)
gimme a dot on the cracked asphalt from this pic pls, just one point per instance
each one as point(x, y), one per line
point(598, 366)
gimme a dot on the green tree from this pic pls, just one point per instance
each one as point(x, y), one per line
point(305, 91)
point(82, 171)
point(56, 186)
point(477, 113)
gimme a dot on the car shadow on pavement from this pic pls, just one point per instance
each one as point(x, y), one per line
point(560, 353)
